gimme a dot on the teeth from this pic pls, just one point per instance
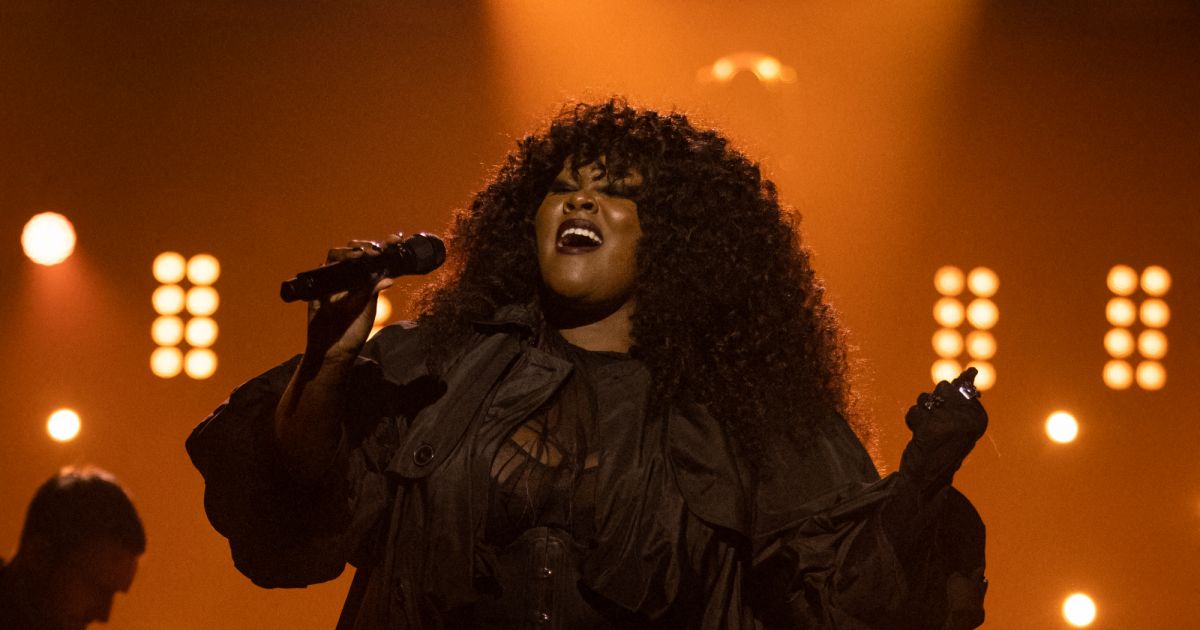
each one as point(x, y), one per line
point(584, 232)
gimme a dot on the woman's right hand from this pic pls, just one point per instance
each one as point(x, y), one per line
point(339, 324)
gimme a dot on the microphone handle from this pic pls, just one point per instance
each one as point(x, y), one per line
point(420, 254)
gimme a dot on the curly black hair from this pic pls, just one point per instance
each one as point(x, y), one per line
point(759, 346)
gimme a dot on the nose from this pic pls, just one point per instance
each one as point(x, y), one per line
point(580, 200)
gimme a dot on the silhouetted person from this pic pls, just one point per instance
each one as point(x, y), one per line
point(79, 548)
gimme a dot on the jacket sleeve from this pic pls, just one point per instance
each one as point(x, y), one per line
point(284, 533)
point(871, 554)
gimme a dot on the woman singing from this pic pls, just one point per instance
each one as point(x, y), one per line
point(625, 406)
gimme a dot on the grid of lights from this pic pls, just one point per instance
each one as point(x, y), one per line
point(978, 316)
point(1136, 305)
point(170, 330)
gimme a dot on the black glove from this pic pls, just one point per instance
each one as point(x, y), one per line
point(945, 426)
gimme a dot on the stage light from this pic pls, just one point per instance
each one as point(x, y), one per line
point(947, 343)
point(986, 378)
point(723, 69)
point(1155, 313)
point(949, 280)
point(1118, 374)
point(981, 345)
point(200, 363)
point(168, 299)
point(1122, 280)
point(203, 270)
point(1079, 610)
point(945, 370)
point(201, 332)
point(63, 425)
point(1155, 281)
point(48, 238)
point(169, 268)
point(1151, 376)
point(1121, 312)
point(383, 310)
point(1152, 344)
point(1119, 342)
point(166, 362)
point(202, 301)
point(767, 68)
point(167, 330)
point(983, 282)
point(982, 313)
point(1062, 427)
point(948, 312)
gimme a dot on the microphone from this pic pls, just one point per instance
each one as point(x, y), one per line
point(417, 255)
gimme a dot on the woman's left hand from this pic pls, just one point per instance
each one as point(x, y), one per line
point(945, 426)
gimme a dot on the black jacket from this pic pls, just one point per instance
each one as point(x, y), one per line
point(687, 537)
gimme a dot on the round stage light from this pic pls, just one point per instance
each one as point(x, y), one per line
point(166, 362)
point(202, 301)
point(1118, 374)
point(63, 425)
point(201, 332)
point(986, 378)
point(981, 345)
point(982, 313)
point(1062, 427)
point(203, 269)
point(947, 343)
point(169, 268)
point(167, 330)
point(1155, 313)
point(1120, 312)
point(724, 69)
point(168, 299)
point(1079, 610)
point(768, 68)
point(945, 370)
point(983, 282)
point(1119, 342)
point(948, 312)
point(1122, 280)
point(1152, 344)
point(200, 363)
point(1151, 375)
point(1156, 281)
point(949, 280)
point(48, 238)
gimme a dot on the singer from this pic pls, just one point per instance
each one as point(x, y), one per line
point(624, 405)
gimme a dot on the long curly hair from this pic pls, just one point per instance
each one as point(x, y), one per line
point(729, 313)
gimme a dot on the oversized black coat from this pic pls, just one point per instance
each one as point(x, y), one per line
point(686, 536)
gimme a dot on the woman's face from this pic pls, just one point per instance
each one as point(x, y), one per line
point(587, 232)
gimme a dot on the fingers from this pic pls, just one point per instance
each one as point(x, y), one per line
point(353, 249)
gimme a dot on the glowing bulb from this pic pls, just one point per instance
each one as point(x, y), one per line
point(947, 343)
point(1122, 280)
point(986, 377)
point(981, 345)
point(983, 282)
point(1079, 610)
point(1155, 313)
point(202, 301)
point(200, 363)
point(1156, 281)
point(48, 238)
point(949, 280)
point(166, 362)
point(169, 268)
point(723, 69)
point(203, 269)
point(1118, 342)
point(948, 312)
point(945, 370)
point(1151, 375)
point(1118, 374)
point(1152, 344)
point(383, 310)
point(63, 425)
point(201, 332)
point(167, 330)
point(1062, 427)
point(1120, 312)
point(767, 68)
point(982, 313)
point(167, 299)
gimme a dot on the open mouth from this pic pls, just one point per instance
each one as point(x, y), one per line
point(578, 236)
